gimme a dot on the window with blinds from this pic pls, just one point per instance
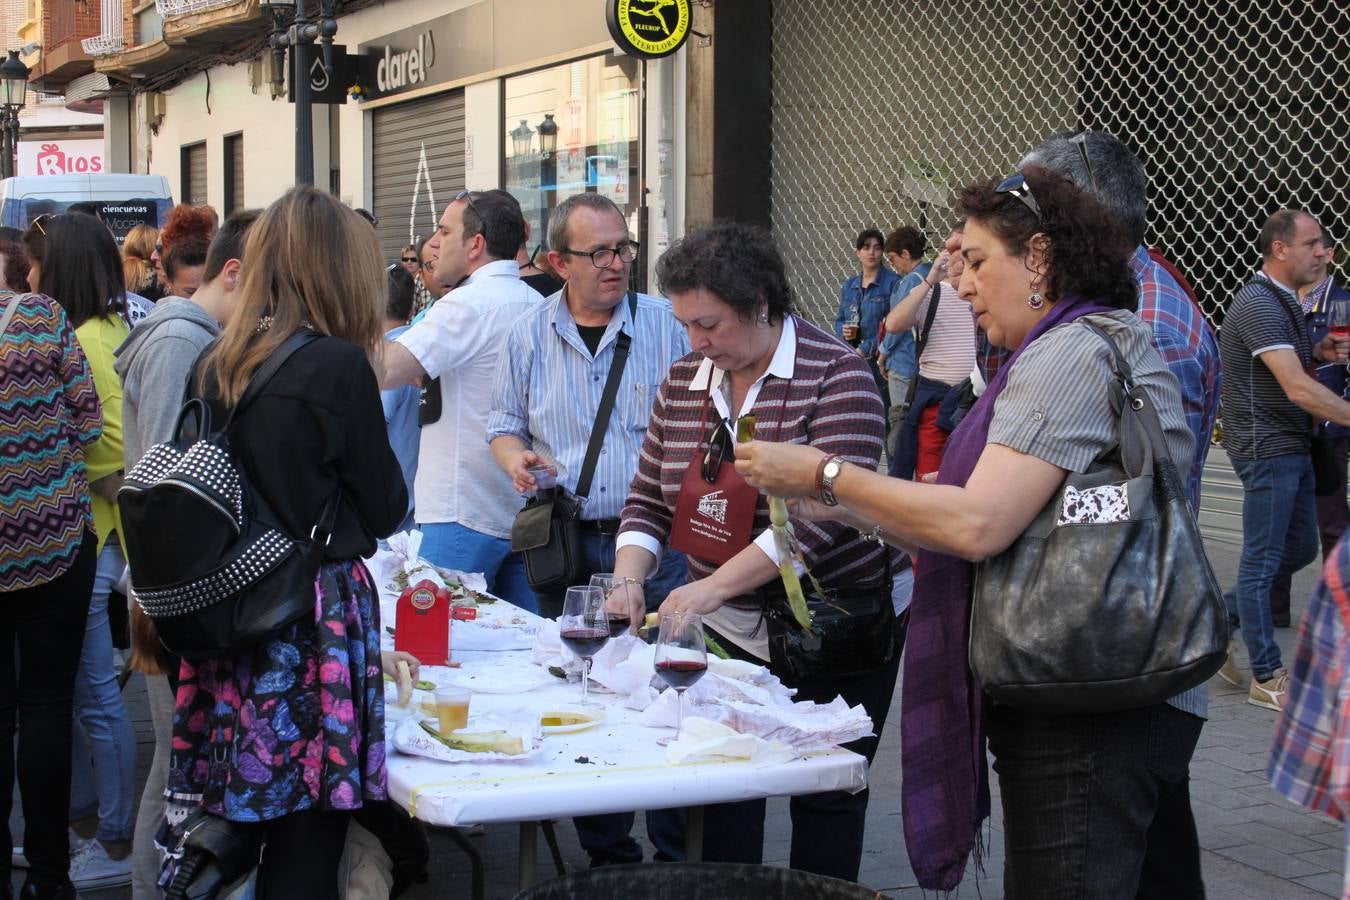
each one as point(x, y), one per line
point(234, 172)
point(193, 160)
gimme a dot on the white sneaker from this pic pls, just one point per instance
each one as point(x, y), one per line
point(92, 869)
point(17, 859)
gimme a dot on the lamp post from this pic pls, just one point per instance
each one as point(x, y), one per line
point(301, 32)
point(520, 139)
point(13, 92)
point(548, 169)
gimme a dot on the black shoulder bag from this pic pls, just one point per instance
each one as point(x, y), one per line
point(1326, 475)
point(547, 531)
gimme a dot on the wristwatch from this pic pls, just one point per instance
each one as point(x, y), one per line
point(829, 470)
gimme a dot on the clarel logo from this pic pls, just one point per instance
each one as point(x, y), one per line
point(399, 69)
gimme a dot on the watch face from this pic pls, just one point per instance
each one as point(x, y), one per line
point(833, 468)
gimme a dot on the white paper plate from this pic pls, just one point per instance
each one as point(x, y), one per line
point(503, 680)
point(594, 716)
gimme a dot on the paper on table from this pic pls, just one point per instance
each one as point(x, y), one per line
point(700, 737)
point(624, 665)
point(483, 634)
point(805, 726)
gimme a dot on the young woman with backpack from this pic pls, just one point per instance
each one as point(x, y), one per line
point(290, 733)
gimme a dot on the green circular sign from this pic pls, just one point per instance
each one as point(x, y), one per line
point(649, 29)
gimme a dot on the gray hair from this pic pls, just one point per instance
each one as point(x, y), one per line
point(557, 221)
point(1117, 178)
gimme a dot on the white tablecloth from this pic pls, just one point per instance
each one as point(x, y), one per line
point(615, 766)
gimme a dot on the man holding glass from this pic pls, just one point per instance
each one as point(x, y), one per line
point(1268, 396)
point(544, 406)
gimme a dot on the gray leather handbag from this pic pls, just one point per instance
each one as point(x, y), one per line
point(1107, 600)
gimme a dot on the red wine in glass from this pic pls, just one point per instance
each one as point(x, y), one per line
point(1340, 330)
point(585, 642)
point(618, 624)
point(681, 673)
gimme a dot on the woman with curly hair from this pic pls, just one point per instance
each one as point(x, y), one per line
point(753, 356)
point(137, 268)
point(185, 239)
point(1043, 261)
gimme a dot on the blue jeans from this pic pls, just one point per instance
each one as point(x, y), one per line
point(1097, 807)
point(453, 546)
point(1279, 537)
point(103, 761)
point(597, 556)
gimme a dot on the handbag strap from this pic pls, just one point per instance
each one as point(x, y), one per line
point(922, 340)
point(621, 346)
point(1136, 406)
point(10, 309)
point(269, 368)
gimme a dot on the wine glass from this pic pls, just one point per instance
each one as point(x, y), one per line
point(681, 657)
point(1338, 319)
point(605, 581)
point(584, 628)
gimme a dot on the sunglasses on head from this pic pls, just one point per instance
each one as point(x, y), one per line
point(1015, 185)
point(39, 223)
point(1080, 141)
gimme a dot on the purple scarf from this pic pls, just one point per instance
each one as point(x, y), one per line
point(945, 783)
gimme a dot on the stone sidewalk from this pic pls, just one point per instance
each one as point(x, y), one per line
point(1256, 846)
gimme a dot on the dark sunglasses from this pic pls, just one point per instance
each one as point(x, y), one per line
point(719, 448)
point(482, 222)
point(1015, 185)
point(1080, 141)
point(411, 259)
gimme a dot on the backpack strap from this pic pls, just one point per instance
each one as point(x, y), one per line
point(269, 368)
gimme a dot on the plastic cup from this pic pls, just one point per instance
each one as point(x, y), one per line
point(545, 476)
point(452, 708)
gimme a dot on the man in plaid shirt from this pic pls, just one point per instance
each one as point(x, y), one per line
point(1310, 762)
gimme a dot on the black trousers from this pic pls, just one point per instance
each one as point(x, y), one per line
point(302, 855)
point(45, 626)
point(827, 828)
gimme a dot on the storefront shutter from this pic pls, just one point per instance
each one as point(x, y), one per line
point(418, 156)
point(194, 174)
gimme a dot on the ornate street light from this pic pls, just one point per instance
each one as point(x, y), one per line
point(301, 31)
point(520, 139)
point(548, 135)
point(13, 92)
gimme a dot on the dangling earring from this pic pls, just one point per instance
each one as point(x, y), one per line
point(1035, 300)
point(763, 318)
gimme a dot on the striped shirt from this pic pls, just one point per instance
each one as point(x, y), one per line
point(1259, 419)
point(548, 391)
point(1069, 429)
point(828, 399)
point(1310, 762)
point(949, 353)
point(49, 412)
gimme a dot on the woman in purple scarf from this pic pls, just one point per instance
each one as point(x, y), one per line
point(1079, 793)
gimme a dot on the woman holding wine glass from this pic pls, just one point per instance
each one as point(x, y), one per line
point(752, 356)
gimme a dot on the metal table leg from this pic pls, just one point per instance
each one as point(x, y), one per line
point(475, 860)
point(693, 834)
point(551, 838)
point(529, 845)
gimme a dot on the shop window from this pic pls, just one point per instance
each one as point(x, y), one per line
point(592, 108)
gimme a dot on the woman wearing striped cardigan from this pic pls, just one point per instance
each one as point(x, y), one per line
point(751, 355)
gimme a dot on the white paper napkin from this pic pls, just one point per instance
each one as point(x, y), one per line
point(409, 737)
point(700, 737)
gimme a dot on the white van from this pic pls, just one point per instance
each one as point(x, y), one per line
point(122, 201)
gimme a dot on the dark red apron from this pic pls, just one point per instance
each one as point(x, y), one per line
point(715, 512)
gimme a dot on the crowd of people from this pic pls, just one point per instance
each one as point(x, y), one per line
point(444, 384)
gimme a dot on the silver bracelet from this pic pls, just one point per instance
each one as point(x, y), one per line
point(874, 535)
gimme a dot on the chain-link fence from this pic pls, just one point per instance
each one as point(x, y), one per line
point(883, 107)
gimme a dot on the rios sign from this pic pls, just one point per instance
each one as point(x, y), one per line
point(648, 29)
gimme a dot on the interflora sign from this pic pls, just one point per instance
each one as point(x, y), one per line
point(60, 157)
point(648, 29)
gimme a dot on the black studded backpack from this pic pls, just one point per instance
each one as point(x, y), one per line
point(211, 564)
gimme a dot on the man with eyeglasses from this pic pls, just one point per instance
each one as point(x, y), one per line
point(544, 406)
point(463, 503)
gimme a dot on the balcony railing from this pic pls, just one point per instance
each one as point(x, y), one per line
point(111, 39)
point(169, 8)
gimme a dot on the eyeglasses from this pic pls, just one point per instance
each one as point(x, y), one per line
point(482, 222)
point(37, 223)
point(411, 259)
point(719, 448)
point(604, 257)
point(1016, 186)
point(1080, 141)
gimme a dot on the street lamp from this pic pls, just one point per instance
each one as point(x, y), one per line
point(520, 139)
point(13, 92)
point(548, 135)
point(548, 168)
point(301, 32)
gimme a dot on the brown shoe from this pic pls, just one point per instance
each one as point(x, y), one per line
point(1229, 671)
point(1270, 694)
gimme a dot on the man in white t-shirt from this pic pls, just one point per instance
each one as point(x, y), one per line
point(465, 504)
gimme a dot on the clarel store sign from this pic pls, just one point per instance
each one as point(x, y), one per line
point(426, 55)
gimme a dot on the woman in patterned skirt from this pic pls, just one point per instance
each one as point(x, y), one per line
point(290, 733)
